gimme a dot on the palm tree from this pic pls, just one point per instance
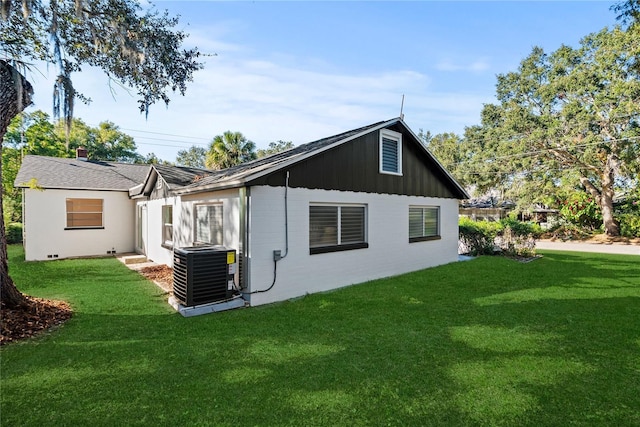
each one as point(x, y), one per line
point(229, 149)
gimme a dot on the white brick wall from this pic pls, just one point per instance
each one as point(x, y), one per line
point(389, 252)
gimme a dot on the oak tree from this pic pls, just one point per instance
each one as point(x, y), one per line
point(573, 114)
point(135, 47)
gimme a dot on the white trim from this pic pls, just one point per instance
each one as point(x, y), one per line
point(393, 136)
point(165, 224)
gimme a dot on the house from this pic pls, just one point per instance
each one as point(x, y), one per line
point(486, 209)
point(365, 204)
point(77, 207)
point(368, 203)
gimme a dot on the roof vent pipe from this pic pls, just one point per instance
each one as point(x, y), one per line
point(81, 154)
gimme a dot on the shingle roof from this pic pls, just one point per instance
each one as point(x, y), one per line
point(65, 173)
point(239, 173)
point(180, 176)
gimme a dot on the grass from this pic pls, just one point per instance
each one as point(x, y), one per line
point(554, 342)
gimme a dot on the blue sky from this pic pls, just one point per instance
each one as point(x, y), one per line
point(300, 71)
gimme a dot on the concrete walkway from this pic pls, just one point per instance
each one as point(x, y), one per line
point(604, 248)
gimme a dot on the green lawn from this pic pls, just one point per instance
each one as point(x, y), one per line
point(554, 342)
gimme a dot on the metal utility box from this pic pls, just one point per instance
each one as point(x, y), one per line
point(203, 274)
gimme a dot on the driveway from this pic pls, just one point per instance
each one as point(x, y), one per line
point(605, 248)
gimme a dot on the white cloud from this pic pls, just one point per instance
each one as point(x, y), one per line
point(269, 101)
point(448, 64)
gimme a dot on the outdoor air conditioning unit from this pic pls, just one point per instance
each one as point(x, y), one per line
point(203, 274)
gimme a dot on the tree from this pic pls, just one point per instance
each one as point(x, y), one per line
point(28, 133)
point(194, 157)
point(450, 150)
point(105, 142)
point(573, 114)
point(229, 149)
point(152, 159)
point(135, 47)
point(628, 11)
point(18, 91)
point(275, 147)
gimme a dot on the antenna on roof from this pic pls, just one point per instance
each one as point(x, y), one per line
point(401, 108)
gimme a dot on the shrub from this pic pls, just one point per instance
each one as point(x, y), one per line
point(520, 228)
point(477, 237)
point(510, 236)
point(629, 225)
point(14, 233)
point(582, 210)
point(628, 215)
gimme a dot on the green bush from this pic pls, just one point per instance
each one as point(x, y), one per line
point(520, 228)
point(477, 237)
point(509, 236)
point(14, 233)
point(581, 209)
point(629, 225)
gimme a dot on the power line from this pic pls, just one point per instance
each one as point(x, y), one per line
point(168, 134)
point(529, 153)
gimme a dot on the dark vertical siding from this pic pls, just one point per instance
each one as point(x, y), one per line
point(354, 166)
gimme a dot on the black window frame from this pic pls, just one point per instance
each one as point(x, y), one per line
point(338, 239)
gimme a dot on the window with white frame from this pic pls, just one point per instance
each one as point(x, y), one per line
point(337, 227)
point(84, 213)
point(167, 225)
point(209, 226)
point(390, 152)
point(424, 223)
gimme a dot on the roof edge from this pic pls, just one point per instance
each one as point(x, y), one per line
point(447, 173)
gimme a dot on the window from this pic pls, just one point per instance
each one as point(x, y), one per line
point(390, 152)
point(167, 225)
point(336, 228)
point(424, 223)
point(209, 224)
point(84, 213)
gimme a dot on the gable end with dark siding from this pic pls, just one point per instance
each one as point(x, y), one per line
point(355, 166)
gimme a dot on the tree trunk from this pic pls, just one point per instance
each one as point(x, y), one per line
point(604, 199)
point(15, 96)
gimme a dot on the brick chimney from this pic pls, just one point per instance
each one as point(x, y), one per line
point(81, 154)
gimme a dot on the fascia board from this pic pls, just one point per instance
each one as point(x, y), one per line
point(136, 191)
point(211, 187)
point(121, 190)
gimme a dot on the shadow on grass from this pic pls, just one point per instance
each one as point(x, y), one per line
point(420, 349)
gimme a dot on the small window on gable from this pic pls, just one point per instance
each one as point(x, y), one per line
point(209, 224)
point(390, 152)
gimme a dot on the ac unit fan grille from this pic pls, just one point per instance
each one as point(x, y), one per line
point(201, 275)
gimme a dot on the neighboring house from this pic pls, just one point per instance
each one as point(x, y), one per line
point(486, 209)
point(77, 207)
point(361, 205)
